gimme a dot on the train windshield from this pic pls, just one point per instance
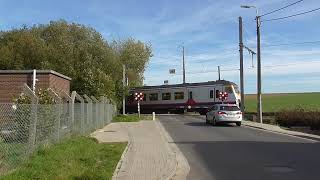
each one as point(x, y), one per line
point(236, 89)
point(228, 89)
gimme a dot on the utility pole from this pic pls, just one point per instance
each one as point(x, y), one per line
point(183, 66)
point(124, 84)
point(219, 72)
point(241, 65)
point(259, 105)
point(258, 21)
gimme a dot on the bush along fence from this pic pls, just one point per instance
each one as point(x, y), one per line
point(43, 118)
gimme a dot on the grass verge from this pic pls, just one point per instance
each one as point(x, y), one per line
point(78, 158)
point(131, 118)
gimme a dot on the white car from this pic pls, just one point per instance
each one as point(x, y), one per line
point(224, 113)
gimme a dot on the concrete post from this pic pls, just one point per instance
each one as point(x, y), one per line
point(89, 113)
point(75, 95)
point(58, 115)
point(33, 118)
point(97, 109)
point(71, 109)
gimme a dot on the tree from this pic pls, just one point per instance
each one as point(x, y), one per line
point(77, 51)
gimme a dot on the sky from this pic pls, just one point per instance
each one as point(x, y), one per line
point(208, 29)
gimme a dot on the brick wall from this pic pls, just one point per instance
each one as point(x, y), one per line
point(11, 84)
point(59, 84)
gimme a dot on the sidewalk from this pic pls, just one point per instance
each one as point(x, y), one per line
point(148, 155)
point(277, 129)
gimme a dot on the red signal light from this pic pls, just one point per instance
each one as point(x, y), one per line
point(138, 96)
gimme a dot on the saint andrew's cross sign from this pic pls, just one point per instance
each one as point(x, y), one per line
point(138, 97)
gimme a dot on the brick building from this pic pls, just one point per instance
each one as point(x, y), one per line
point(12, 81)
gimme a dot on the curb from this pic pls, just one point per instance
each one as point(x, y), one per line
point(182, 167)
point(163, 134)
point(277, 129)
point(117, 169)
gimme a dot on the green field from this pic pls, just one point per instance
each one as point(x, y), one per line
point(277, 101)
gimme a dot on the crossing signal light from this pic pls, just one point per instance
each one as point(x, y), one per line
point(138, 96)
point(223, 96)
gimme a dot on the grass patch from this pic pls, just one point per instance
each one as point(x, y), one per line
point(277, 102)
point(131, 118)
point(78, 158)
point(11, 155)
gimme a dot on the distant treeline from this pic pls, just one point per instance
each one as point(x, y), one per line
point(78, 51)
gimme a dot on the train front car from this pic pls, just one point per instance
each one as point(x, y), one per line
point(179, 98)
point(205, 95)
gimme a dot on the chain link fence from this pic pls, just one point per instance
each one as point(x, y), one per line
point(26, 127)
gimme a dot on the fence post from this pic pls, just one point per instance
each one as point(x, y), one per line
point(33, 118)
point(89, 111)
point(58, 116)
point(108, 103)
point(96, 106)
point(102, 111)
point(70, 101)
point(75, 95)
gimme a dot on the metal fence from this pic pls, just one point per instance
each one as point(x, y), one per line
point(26, 127)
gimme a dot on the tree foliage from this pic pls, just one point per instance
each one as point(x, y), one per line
point(78, 51)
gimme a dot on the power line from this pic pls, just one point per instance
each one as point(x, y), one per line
point(203, 72)
point(298, 14)
point(291, 64)
point(297, 43)
point(281, 8)
point(236, 69)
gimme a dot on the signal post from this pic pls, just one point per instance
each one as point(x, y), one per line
point(138, 98)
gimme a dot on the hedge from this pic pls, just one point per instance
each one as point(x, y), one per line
point(298, 117)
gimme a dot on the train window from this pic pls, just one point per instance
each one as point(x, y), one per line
point(211, 94)
point(153, 96)
point(190, 95)
point(145, 97)
point(166, 96)
point(178, 95)
point(228, 89)
point(217, 93)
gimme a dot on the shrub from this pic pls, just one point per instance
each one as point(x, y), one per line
point(46, 113)
point(298, 117)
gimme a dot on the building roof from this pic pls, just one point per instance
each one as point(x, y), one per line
point(223, 82)
point(38, 72)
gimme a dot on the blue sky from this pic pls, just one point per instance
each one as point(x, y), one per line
point(208, 29)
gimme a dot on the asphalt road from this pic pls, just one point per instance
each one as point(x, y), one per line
point(231, 152)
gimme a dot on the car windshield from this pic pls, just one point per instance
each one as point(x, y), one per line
point(229, 108)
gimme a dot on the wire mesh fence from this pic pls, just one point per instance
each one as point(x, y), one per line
point(26, 127)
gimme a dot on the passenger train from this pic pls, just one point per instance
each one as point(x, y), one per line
point(179, 98)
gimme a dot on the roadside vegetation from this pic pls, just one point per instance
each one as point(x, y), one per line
point(277, 102)
point(77, 158)
point(131, 118)
point(299, 117)
point(290, 110)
